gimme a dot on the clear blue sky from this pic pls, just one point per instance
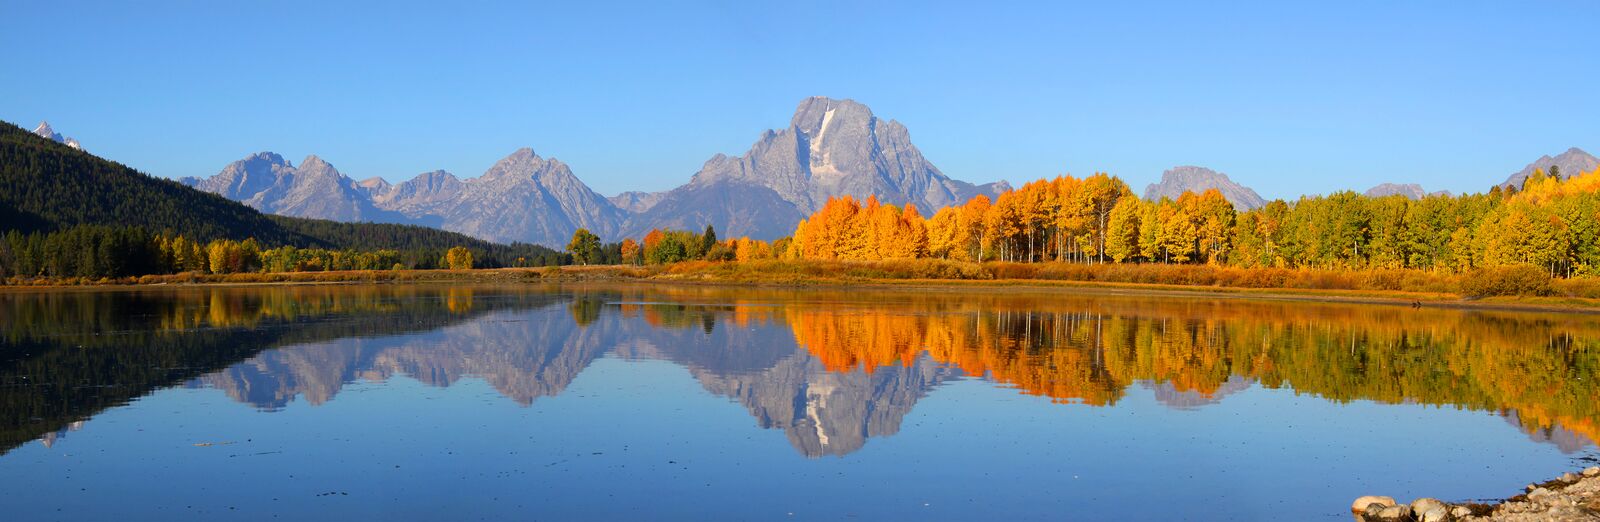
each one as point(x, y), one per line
point(1286, 97)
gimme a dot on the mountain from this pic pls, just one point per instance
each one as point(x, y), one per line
point(1409, 190)
point(635, 201)
point(267, 182)
point(1177, 180)
point(830, 148)
point(1570, 163)
point(46, 186)
point(420, 196)
point(44, 131)
point(525, 198)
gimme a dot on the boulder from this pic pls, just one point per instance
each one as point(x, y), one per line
point(1434, 514)
point(1593, 471)
point(1361, 502)
point(1395, 513)
point(1425, 504)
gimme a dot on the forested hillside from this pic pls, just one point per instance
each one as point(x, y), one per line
point(47, 186)
point(65, 212)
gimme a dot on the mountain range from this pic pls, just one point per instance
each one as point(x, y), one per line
point(830, 148)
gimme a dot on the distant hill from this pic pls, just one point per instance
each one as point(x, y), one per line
point(1177, 180)
point(46, 185)
point(1570, 163)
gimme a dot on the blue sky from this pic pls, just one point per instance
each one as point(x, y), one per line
point(1287, 97)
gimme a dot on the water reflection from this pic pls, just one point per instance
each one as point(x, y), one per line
point(830, 369)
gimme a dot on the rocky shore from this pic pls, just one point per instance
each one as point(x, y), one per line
point(1572, 497)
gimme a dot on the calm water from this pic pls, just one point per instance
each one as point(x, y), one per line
point(627, 402)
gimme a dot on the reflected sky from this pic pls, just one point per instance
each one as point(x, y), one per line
point(600, 402)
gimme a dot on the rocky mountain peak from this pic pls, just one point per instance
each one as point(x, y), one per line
point(44, 130)
point(1570, 163)
point(1409, 190)
point(271, 158)
point(316, 165)
point(1189, 178)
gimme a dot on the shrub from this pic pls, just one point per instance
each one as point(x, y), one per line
point(1506, 280)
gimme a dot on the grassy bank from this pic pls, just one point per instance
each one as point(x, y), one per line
point(1514, 287)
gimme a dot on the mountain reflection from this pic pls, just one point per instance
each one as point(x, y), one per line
point(831, 369)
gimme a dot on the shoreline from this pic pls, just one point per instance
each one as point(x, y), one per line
point(1573, 496)
point(667, 276)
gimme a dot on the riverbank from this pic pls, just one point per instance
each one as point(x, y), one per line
point(1572, 497)
point(1391, 287)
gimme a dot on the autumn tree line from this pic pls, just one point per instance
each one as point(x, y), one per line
point(96, 251)
point(1548, 223)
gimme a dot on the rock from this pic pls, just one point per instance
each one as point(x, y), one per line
point(1374, 511)
point(1592, 471)
point(1569, 477)
point(1538, 492)
point(1434, 514)
point(1425, 504)
point(1395, 513)
point(1530, 487)
point(1461, 512)
point(1361, 503)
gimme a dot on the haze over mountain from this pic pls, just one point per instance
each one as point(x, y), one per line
point(1570, 163)
point(45, 131)
point(1177, 180)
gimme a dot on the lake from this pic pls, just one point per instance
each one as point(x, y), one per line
point(615, 402)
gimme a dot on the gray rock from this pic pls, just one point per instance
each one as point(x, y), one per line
point(1395, 513)
point(1425, 504)
point(1177, 180)
point(1434, 514)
